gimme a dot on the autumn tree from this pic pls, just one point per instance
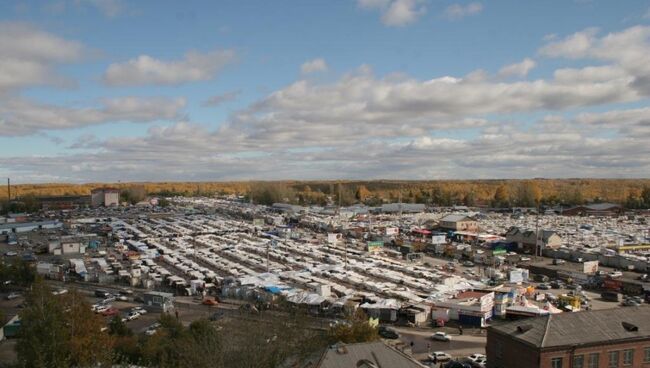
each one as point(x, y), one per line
point(362, 193)
point(60, 331)
point(501, 196)
point(355, 329)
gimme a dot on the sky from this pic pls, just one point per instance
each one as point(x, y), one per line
point(116, 90)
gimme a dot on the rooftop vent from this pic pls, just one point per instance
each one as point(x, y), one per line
point(524, 328)
point(630, 327)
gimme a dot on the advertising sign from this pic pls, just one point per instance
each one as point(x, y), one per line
point(392, 231)
point(259, 222)
point(375, 246)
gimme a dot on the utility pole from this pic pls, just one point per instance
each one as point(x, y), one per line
point(8, 189)
point(346, 255)
point(268, 245)
point(537, 243)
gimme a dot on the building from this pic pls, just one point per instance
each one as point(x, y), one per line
point(473, 308)
point(458, 223)
point(158, 300)
point(596, 209)
point(402, 208)
point(22, 227)
point(362, 355)
point(526, 240)
point(606, 338)
point(106, 197)
point(63, 202)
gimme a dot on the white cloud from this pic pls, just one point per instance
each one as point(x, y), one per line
point(25, 117)
point(396, 13)
point(146, 70)
point(314, 66)
point(28, 56)
point(458, 11)
point(520, 69)
point(222, 98)
point(574, 46)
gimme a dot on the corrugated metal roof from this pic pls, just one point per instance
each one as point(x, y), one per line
point(580, 328)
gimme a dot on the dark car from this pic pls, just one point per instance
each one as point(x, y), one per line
point(557, 284)
point(101, 293)
point(388, 333)
point(543, 286)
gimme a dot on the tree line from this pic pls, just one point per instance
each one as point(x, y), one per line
point(499, 193)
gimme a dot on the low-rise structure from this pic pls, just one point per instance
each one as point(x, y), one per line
point(458, 223)
point(598, 339)
point(527, 240)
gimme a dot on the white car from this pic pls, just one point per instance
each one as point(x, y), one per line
point(102, 308)
point(132, 316)
point(476, 356)
point(480, 362)
point(439, 356)
point(441, 336)
point(615, 274)
point(121, 298)
point(139, 310)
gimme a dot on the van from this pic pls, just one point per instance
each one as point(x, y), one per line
point(610, 296)
point(101, 293)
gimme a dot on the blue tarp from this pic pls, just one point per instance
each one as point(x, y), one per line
point(273, 289)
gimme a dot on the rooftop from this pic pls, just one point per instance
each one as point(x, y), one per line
point(377, 353)
point(580, 328)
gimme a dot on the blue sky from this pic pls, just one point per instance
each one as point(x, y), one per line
point(107, 90)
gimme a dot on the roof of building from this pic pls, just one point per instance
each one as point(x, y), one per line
point(580, 328)
point(603, 206)
point(18, 225)
point(376, 353)
point(404, 207)
point(456, 218)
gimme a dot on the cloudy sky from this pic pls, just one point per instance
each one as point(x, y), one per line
point(108, 90)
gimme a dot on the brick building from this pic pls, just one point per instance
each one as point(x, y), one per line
point(608, 338)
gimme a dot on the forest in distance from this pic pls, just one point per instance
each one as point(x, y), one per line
point(633, 193)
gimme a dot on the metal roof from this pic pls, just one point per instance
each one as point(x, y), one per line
point(378, 353)
point(580, 328)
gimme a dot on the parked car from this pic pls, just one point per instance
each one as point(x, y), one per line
point(468, 264)
point(110, 312)
point(11, 253)
point(441, 336)
point(574, 287)
point(121, 298)
point(126, 292)
point(388, 333)
point(101, 293)
point(630, 303)
point(558, 261)
point(12, 296)
point(439, 356)
point(555, 284)
point(474, 357)
point(139, 310)
point(544, 286)
point(132, 316)
point(615, 274)
point(480, 362)
point(610, 296)
point(59, 291)
point(209, 301)
point(102, 308)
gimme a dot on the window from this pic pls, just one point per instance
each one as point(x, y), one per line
point(613, 359)
point(556, 363)
point(628, 357)
point(594, 360)
point(578, 361)
point(646, 355)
